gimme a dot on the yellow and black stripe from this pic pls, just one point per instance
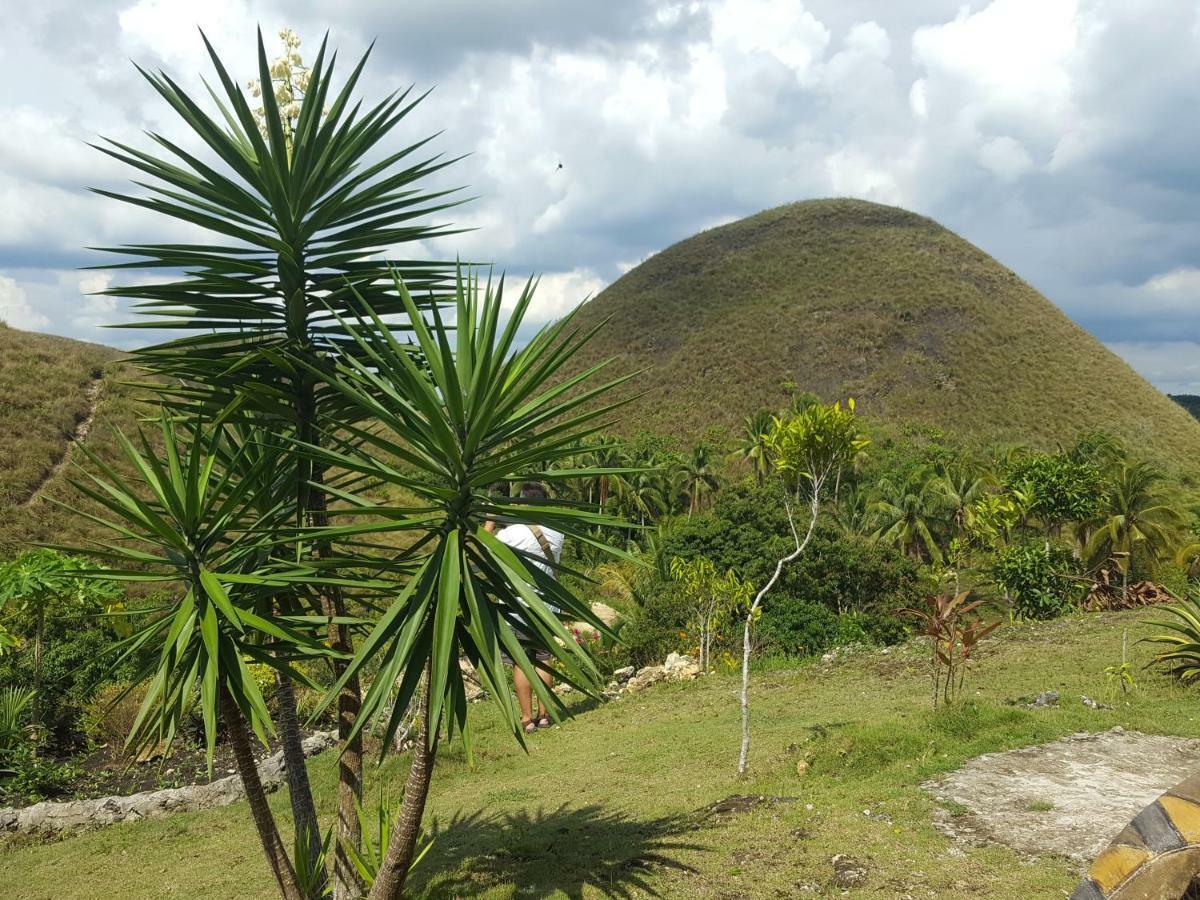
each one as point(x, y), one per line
point(1157, 855)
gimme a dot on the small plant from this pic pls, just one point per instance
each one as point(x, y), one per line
point(953, 636)
point(1181, 640)
point(713, 599)
point(1120, 677)
point(14, 702)
point(1039, 806)
point(35, 778)
point(369, 857)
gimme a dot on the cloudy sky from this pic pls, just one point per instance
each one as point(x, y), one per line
point(1061, 136)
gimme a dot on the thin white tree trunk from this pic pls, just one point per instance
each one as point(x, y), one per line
point(814, 508)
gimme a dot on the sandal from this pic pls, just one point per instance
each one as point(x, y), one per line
point(544, 722)
point(529, 725)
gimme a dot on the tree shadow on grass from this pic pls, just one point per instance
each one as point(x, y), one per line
point(541, 853)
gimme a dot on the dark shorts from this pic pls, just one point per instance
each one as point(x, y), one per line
point(540, 655)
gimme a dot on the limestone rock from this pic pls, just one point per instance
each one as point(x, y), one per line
point(73, 815)
point(606, 614)
point(681, 667)
point(623, 674)
point(645, 677)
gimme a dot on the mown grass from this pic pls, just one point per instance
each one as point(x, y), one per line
point(613, 802)
point(849, 298)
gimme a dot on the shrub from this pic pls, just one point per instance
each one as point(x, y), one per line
point(33, 778)
point(14, 714)
point(1034, 575)
point(793, 627)
point(109, 715)
point(657, 627)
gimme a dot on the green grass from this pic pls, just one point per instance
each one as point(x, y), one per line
point(614, 801)
point(849, 298)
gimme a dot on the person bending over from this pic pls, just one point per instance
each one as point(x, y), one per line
point(543, 548)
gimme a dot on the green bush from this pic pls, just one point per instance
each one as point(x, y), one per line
point(33, 778)
point(747, 530)
point(656, 628)
point(793, 627)
point(1036, 577)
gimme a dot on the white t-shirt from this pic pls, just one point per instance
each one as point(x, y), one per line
point(520, 537)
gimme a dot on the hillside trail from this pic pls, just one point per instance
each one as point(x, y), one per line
point(92, 395)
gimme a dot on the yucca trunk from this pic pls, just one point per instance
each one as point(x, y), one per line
point(264, 821)
point(304, 810)
point(393, 871)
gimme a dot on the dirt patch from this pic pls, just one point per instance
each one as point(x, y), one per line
point(737, 804)
point(82, 428)
point(1067, 798)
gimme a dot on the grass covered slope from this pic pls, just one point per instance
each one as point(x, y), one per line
point(849, 298)
point(49, 388)
point(613, 803)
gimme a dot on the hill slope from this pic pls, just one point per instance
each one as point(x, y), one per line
point(849, 298)
point(52, 390)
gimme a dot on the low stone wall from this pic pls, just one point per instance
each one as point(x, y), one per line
point(77, 815)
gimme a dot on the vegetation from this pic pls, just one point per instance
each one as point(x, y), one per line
point(573, 816)
point(849, 298)
point(953, 634)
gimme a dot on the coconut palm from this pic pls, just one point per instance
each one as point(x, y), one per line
point(906, 514)
point(960, 486)
point(1136, 524)
point(752, 447)
point(698, 477)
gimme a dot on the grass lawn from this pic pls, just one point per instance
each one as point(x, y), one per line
point(612, 802)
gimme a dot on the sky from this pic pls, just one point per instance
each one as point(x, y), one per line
point(1061, 136)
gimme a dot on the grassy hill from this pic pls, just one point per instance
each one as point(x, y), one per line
point(617, 801)
point(52, 390)
point(849, 298)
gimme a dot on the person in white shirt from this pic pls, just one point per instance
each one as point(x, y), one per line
point(541, 547)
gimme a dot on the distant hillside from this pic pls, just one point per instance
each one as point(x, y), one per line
point(52, 389)
point(1190, 402)
point(849, 298)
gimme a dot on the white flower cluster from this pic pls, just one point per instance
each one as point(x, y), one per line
point(289, 82)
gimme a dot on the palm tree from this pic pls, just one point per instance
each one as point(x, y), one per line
point(1135, 522)
point(906, 512)
point(960, 486)
point(299, 204)
point(698, 477)
point(477, 411)
point(752, 446)
point(852, 513)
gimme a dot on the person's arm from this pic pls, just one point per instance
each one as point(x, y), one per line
point(490, 526)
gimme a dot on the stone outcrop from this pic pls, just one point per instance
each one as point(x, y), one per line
point(77, 815)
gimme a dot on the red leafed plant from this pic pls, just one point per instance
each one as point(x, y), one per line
point(953, 636)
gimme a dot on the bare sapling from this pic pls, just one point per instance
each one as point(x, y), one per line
point(805, 450)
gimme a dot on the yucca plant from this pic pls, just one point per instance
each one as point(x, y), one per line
point(301, 198)
point(191, 520)
point(1180, 641)
point(14, 703)
point(477, 412)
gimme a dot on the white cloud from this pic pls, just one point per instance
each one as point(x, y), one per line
point(1173, 366)
point(15, 309)
point(557, 293)
point(1005, 157)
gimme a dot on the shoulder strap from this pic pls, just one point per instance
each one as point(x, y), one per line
point(547, 550)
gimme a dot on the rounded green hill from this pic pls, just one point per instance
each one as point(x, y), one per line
point(847, 298)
